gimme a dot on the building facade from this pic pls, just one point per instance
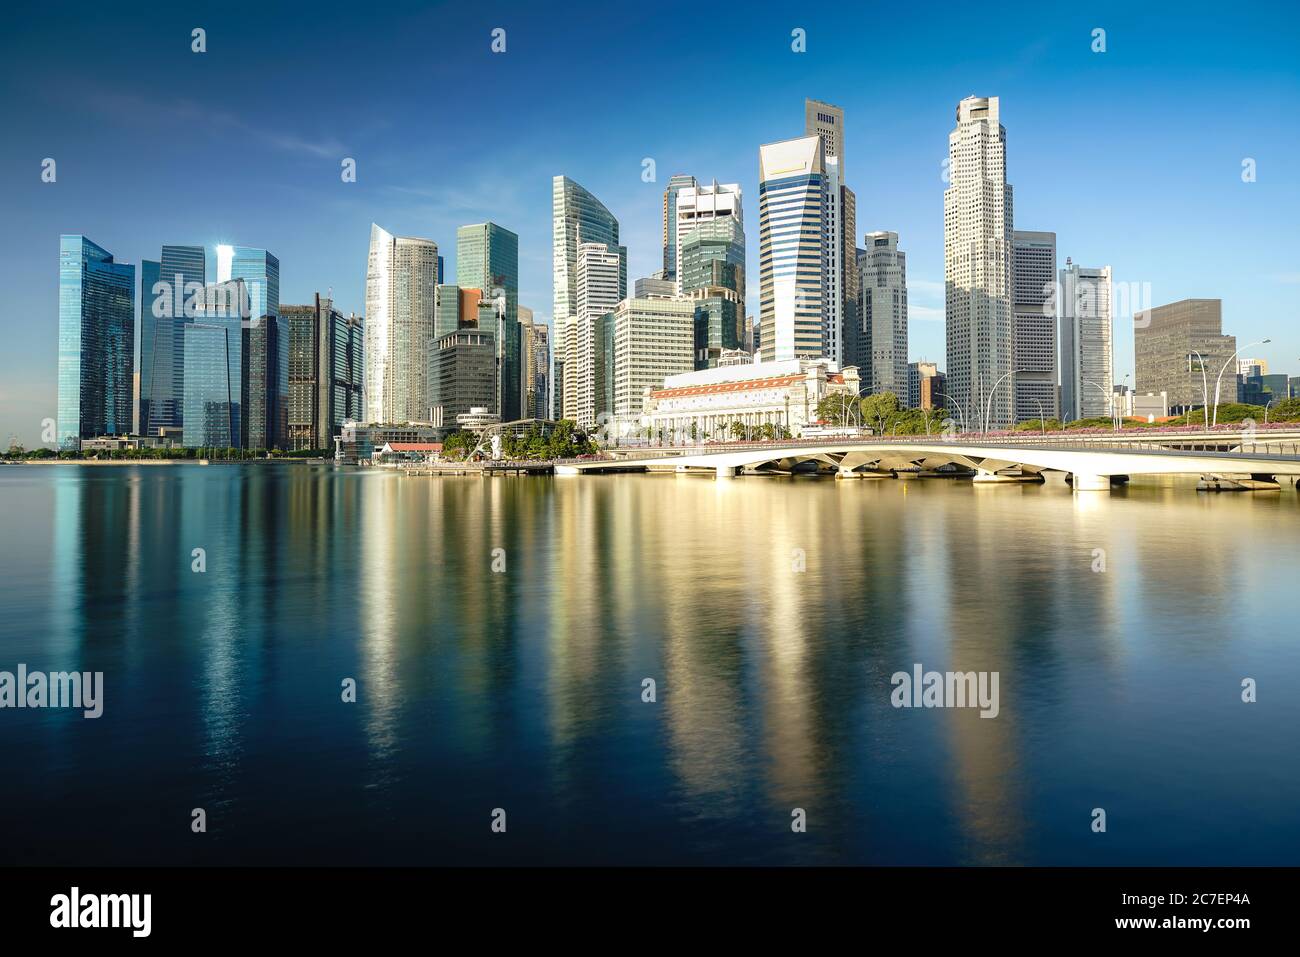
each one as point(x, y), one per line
point(487, 258)
point(652, 339)
point(676, 184)
point(717, 209)
point(401, 284)
point(174, 286)
point(1174, 344)
point(215, 368)
point(586, 388)
point(463, 376)
point(96, 343)
point(576, 217)
point(792, 246)
point(326, 372)
point(260, 273)
point(1034, 324)
point(882, 269)
point(1086, 342)
point(977, 232)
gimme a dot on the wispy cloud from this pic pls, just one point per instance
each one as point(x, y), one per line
point(130, 107)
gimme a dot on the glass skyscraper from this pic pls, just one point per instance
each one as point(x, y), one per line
point(96, 342)
point(171, 301)
point(260, 272)
point(149, 273)
point(675, 185)
point(487, 258)
point(401, 286)
point(214, 368)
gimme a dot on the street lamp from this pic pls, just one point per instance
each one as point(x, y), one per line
point(1205, 386)
point(960, 410)
point(988, 411)
point(1110, 399)
point(1218, 383)
point(1041, 421)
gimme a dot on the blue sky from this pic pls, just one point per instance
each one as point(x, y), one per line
point(1132, 156)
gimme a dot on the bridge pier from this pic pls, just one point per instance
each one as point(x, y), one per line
point(726, 471)
point(1053, 477)
point(567, 470)
point(1085, 482)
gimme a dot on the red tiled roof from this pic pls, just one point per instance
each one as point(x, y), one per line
point(744, 385)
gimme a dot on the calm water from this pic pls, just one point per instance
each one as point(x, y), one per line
point(522, 689)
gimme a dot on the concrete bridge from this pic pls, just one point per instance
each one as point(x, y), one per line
point(1092, 464)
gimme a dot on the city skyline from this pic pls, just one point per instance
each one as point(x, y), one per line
point(1104, 207)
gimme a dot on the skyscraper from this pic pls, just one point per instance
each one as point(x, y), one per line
point(577, 217)
point(586, 386)
point(150, 271)
point(1033, 324)
point(171, 300)
point(535, 342)
point(712, 257)
point(1087, 361)
point(652, 339)
point(791, 251)
point(1171, 346)
point(260, 273)
point(326, 371)
point(842, 329)
point(883, 273)
point(96, 342)
point(701, 205)
point(215, 370)
point(675, 185)
point(977, 228)
point(487, 258)
point(401, 279)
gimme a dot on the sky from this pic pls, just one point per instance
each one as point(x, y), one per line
point(1132, 156)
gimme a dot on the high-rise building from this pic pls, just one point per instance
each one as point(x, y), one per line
point(577, 217)
point(463, 375)
point(654, 286)
point(326, 372)
point(260, 273)
point(1033, 324)
point(843, 331)
point(585, 388)
point(792, 245)
point(487, 259)
point(401, 283)
point(711, 258)
point(924, 384)
point(882, 269)
point(676, 184)
point(169, 298)
point(1174, 343)
point(535, 339)
point(1087, 359)
point(215, 369)
point(977, 228)
point(96, 342)
point(653, 339)
point(708, 206)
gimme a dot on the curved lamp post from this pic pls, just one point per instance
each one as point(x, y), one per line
point(1205, 386)
point(960, 410)
point(988, 411)
point(1110, 399)
point(1218, 383)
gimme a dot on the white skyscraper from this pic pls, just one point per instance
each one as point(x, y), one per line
point(586, 384)
point(792, 249)
point(1087, 359)
point(977, 228)
point(703, 204)
point(401, 281)
point(1033, 325)
point(883, 272)
point(842, 329)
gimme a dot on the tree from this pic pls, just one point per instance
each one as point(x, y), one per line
point(836, 408)
point(738, 430)
point(878, 409)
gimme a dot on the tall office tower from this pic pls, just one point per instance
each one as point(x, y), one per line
point(712, 273)
point(96, 342)
point(213, 353)
point(676, 184)
point(147, 331)
point(916, 372)
point(487, 258)
point(791, 249)
point(1087, 361)
point(326, 371)
point(843, 337)
point(653, 339)
point(977, 228)
point(1171, 346)
point(576, 217)
point(1033, 324)
point(701, 205)
point(260, 350)
point(882, 270)
point(528, 357)
point(541, 367)
point(586, 387)
point(446, 309)
point(170, 300)
point(260, 273)
point(401, 280)
point(463, 375)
